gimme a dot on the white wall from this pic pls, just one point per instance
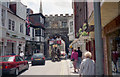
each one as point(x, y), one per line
point(18, 21)
point(21, 10)
point(3, 28)
point(71, 34)
point(0, 13)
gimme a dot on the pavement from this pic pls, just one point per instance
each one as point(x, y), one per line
point(71, 69)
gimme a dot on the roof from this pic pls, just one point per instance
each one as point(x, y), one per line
point(37, 14)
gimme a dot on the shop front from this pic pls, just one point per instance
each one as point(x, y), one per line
point(112, 47)
point(10, 48)
point(30, 47)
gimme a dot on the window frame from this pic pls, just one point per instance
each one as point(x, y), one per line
point(9, 24)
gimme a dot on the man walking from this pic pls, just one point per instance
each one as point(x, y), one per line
point(22, 54)
point(79, 58)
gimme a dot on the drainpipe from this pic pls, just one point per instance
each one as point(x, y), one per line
point(98, 39)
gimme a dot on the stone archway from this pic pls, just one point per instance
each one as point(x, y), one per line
point(65, 38)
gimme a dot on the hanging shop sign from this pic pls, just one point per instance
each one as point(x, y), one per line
point(59, 42)
point(51, 42)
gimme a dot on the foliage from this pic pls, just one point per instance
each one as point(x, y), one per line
point(84, 26)
point(84, 33)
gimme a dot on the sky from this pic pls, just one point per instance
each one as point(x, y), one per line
point(50, 6)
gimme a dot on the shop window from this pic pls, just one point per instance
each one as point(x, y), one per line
point(64, 24)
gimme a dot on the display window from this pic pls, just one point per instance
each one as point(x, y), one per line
point(115, 52)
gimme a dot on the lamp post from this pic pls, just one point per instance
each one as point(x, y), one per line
point(98, 39)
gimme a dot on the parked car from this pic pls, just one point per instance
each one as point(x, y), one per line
point(38, 58)
point(13, 64)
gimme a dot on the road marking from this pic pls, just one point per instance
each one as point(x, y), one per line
point(62, 69)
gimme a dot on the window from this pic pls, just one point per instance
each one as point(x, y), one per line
point(71, 26)
point(21, 59)
point(21, 28)
point(3, 17)
point(13, 25)
point(33, 33)
point(64, 24)
point(42, 32)
point(17, 59)
point(38, 32)
point(6, 59)
point(9, 24)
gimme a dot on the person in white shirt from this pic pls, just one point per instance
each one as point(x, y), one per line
point(22, 54)
point(87, 66)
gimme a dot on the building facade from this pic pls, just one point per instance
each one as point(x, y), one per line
point(57, 25)
point(71, 33)
point(13, 27)
point(110, 17)
point(80, 15)
point(37, 22)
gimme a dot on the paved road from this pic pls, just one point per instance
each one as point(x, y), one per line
point(50, 68)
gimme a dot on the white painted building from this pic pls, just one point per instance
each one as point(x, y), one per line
point(71, 30)
point(12, 27)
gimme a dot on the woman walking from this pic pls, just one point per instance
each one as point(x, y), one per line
point(87, 66)
point(74, 58)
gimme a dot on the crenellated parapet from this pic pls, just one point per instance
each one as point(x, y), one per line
point(59, 15)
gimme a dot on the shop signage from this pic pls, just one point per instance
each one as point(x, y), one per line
point(21, 42)
point(51, 42)
point(11, 41)
point(59, 42)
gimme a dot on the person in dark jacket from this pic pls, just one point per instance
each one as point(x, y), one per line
point(79, 58)
point(58, 54)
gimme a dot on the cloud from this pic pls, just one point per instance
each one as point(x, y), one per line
point(50, 6)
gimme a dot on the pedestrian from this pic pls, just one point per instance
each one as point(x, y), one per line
point(74, 58)
point(22, 54)
point(58, 54)
point(87, 66)
point(79, 58)
point(115, 56)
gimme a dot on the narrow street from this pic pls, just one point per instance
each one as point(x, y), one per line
point(51, 68)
